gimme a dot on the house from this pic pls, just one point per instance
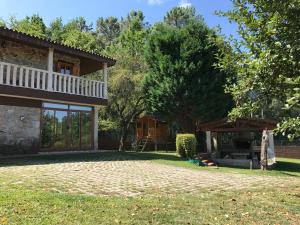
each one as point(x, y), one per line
point(45, 102)
point(150, 130)
point(237, 143)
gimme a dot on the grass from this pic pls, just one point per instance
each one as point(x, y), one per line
point(24, 205)
point(284, 167)
point(19, 206)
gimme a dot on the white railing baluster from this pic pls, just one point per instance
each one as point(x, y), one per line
point(94, 88)
point(78, 83)
point(55, 82)
point(1, 73)
point(14, 80)
point(44, 81)
point(100, 94)
point(73, 85)
point(69, 84)
point(65, 84)
point(97, 89)
point(26, 77)
point(32, 77)
point(59, 83)
point(8, 74)
point(38, 79)
point(21, 77)
point(86, 87)
point(91, 88)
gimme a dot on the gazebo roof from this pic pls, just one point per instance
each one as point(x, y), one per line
point(238, 125)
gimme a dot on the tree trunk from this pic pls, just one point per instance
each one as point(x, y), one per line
point(121, 144)
point(264, 150)
point(123, 138)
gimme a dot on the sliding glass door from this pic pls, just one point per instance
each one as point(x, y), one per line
point(66, 127)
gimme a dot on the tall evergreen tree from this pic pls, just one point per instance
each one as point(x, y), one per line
point(179, 16)
point(33, 25)
point(183, 83)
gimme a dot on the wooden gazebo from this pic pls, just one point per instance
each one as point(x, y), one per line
point(232, 142)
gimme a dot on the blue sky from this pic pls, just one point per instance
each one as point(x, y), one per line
point(154, 10)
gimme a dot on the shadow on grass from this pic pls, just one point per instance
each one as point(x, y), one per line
point(286, 167)
point(84, 157)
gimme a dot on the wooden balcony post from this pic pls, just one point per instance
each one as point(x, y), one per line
point(50, 69)
point(105, 79)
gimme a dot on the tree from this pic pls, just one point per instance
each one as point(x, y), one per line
point(108, 30)
point(2, 23)
point(126, 102)
point(183, 83)
point(133, 38)
point(33, 25)
point(56, 30)
point(179, 16)
point(266, 59)
point(78, 34)
point(126, 99)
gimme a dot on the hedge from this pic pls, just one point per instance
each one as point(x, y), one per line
point(186, 145)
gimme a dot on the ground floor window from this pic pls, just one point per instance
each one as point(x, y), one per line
point(66, 127)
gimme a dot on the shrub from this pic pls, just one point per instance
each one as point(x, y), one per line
point(186, 145)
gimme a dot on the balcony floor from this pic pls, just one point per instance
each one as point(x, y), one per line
point(29, 93)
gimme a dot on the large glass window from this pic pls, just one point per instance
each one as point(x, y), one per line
point(75, 129)
point(66, 127)
point(48, 127)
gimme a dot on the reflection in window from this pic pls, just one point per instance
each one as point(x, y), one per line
point(48, 131)
point(55, 106)
point(62, 129)
point(80, 108)
point(65, 68)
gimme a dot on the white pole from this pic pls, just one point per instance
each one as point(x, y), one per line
point(208, 141)
point(105, 79)
point(50, 68)
point(95, 128)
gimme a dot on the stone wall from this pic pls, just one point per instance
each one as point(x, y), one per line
point(19, 129)
point(21, 54)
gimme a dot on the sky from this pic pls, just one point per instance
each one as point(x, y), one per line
point(154, 10)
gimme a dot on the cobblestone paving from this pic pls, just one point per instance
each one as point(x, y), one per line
point(129, 178)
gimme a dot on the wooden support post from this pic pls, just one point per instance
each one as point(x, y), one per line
point(208, 141)
point(50, 69)
point(95, 128)
point(105, 79)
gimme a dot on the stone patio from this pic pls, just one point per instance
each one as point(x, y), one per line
point(128, 178)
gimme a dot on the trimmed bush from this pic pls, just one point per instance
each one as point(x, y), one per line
point(186, 145)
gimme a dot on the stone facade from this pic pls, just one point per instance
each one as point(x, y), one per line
point(21, 54)
point(19, 129)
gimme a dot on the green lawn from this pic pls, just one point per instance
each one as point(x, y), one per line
point(284, 167)
point(20, 205)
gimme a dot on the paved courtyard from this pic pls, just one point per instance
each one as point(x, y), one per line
point(127, 178)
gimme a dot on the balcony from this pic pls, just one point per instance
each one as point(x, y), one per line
point(18, 76)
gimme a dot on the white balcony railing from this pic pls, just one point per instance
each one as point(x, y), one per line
point(27, 77)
